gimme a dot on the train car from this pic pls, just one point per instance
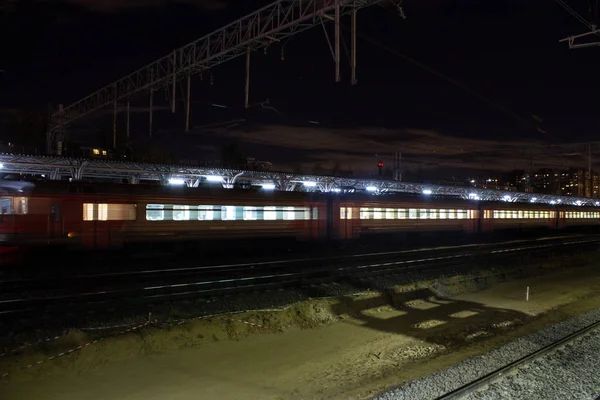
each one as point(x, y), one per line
point(109, 216)
point(361, 215)
point(574, 216)
point(517, 216)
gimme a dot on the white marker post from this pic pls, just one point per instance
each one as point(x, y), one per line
point(527, 294)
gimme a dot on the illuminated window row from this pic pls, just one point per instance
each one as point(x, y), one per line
point(174, 212)
point(13, 205)
point(406, 213)
point(582, 214)
point(108, 212)
point(521, 214)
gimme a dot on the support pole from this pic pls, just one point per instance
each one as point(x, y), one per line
point(174, 82)
point(247, 77)
point(115, 125)
point(590, 177)
point(590, 160)
point(187, 104)
point(151, 108)
point(353, 50)
point(128, 109)
point(337, 41)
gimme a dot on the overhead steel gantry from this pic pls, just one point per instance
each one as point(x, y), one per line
point(593, 28)
point(270, 24)
point(82, 169)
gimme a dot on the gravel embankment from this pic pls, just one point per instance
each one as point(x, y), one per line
point(578, 385)
point(571, 372)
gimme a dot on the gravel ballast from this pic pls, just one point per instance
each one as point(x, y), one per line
point(569, 372)
point(574, 368)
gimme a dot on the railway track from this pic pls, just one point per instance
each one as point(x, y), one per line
point(97, 291)
point(473, 389)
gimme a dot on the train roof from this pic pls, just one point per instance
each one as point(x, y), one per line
point(15, 187)
point(11, 187)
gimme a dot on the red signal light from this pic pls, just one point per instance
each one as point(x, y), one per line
point(380, 164)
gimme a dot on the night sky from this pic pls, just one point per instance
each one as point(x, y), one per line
point(502, 80)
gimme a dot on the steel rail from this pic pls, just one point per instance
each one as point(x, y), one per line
point(258, 282)
point(500, 373)
point(276, 263)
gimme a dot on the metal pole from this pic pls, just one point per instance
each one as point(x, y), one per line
point(590, 178)
point(353, 79)
point(187, 104)
point(151, 108)
point(115, 124)
point(530, 181)
point(247, 77)
point(590, 160)
point(174, 81)
point(128, 108)
point(337, 41)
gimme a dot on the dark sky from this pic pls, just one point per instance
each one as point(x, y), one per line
point(506, 53)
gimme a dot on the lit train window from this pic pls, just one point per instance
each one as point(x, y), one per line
point(300, 213)
point(250, 213)
point(181, 213)
point(270, 213)
point(442, 214)
point(349, 213)
point(422, 213)
point(6, 205)
point(88, 211)
point(365, 213)
point(21, 205)
point(401, 213)
point(228, 213)
point(389, 213)
point(206, 213)
point(432, 214)
point(342, 212)
point(109, 212)
point(461, 214)
point(155, 212)
point(315, 213)
point(377, 213)
point(102, 212)
point(119, 212)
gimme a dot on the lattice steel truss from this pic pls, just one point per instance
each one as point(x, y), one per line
point(272, 23)
point(81, 169)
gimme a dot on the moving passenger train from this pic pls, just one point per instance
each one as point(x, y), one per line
point(102, 216)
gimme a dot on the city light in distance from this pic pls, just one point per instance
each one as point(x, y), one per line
point(473, 196)
point(176, 181)
point(336, 190)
